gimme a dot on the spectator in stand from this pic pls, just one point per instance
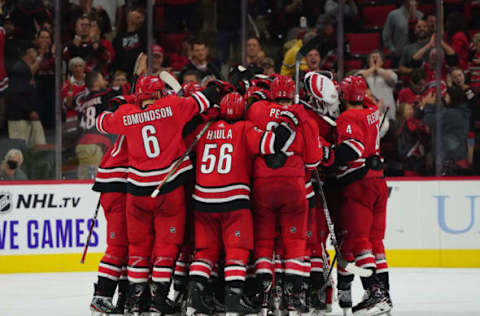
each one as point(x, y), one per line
point(397, 25)
point(268, 66)
point(200, 61)
point(454, 116)
point(27, 16)
point(293, 10)
point(458, 38)
point(157, 59)
point(183, 16)
point(72, 86)
point(254, 54)
point(450, 60)
point(179, 61)
point(466, 95)
point(412, 93)
point(190, 76)
point(422, 37)
point(100, 62)
point(87, 45)
point(474, 61)
point(381, 81)
point(96, 11)
point(288, 66)
point(431, 23)
point(111, 7)
point(45, 77)
point(120, 81)
point(129, 43)
point(22, 100)
point(411, 138)
point(10, 168)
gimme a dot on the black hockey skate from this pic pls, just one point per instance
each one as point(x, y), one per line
point(160, 304)
point(137, 300)
point(317, 301)
point(295, 300)
point(376, 303)
point(236, 303)
point(122, 298)
point(263, 297)
point(197, 300)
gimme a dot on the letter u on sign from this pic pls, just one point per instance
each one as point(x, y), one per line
point(442, 210)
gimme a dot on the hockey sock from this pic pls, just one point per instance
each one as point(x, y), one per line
point(105, 287)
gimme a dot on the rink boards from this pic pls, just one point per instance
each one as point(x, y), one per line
point(44, 225)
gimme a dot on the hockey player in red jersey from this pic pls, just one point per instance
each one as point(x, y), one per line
point(153, 130)
point(364, 197)
point(222, 217)
point(324, 109)
point(111, 181)
point(279, 196)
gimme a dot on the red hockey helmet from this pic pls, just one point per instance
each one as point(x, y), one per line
point(353, 88)
point(255, 93)
point(283, 87)
point(190, 88)
point(232, 106)
point(149, 87)
point(261, 81)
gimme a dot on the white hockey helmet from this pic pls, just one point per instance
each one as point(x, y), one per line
point(323, 92)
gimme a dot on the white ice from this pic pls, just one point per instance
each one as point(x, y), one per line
point(416, 292)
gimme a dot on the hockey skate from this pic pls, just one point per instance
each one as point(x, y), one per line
point(376, 303)
point(160, 305)
point(295, 301)
point(197, 302)
point(345, 300)
point(236, 303)
point(137, 299)
point(102, 306)
point(317, 302)
point(277, 297)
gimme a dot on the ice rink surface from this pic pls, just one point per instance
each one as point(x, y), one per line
point(415, 292)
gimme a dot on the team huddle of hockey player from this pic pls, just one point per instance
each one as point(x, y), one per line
point(239, 224)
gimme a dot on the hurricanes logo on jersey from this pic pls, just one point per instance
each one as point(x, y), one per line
point(173, 230)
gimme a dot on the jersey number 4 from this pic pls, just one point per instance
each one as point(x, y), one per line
point(209, 158)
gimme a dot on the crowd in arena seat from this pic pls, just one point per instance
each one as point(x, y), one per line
point(390, 43)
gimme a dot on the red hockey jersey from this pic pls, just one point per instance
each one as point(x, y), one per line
point(225, 155)
point(305, 151)
point(154, 140)
point(359, 130)
point(113, 169)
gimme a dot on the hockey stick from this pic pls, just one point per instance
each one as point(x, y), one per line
point(172, 82)
point(348, 266)
point(324, 117)
point(180, 160)
point(300, 54)
point(90, 231)
point(384, 116)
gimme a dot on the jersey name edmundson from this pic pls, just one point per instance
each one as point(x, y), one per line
point(147, 116)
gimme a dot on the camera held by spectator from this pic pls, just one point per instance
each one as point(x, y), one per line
point(10, 167)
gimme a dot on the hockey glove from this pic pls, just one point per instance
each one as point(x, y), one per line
point(284, 137)
point(276, 160)
point(328, 155)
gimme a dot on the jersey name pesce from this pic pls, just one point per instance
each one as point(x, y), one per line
point(373, 118)
point(147, 116)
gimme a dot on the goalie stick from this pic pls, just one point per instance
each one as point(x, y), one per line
point(348, 266)
point(172, 82)
point(180, 160)
point(323, 116)
point(84, 254)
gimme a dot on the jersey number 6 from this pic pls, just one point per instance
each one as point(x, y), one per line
point(150, 142)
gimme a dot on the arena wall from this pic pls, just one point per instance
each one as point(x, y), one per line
point(431, 222)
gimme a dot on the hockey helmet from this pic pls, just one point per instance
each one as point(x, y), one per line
point(149, 87)
point(323, 92)
point(256, 93)
point(282, 87)
point(353, 89)
point(232, 106)
point(261, 81)
point(190, 88)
